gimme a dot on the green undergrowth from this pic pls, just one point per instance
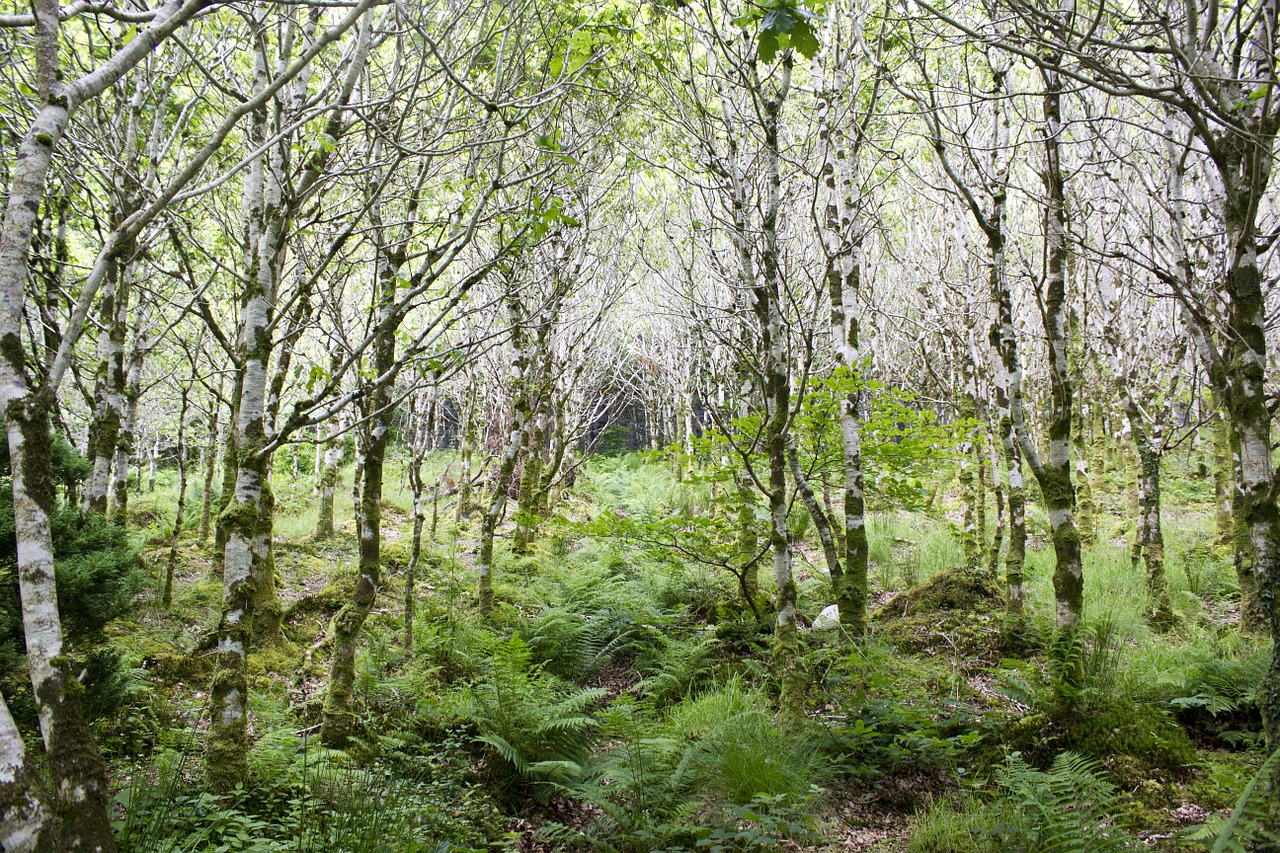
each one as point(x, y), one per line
point(620, 697)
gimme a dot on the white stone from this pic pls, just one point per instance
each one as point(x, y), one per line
point(828, 618)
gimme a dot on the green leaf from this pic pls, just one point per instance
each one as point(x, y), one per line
point(767, 45)
point(804, 40)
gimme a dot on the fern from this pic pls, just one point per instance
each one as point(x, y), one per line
point(1069, 807)
point(1252, 822)
point(576, 647)
point(676, 668)
point(538, 728)
point(1223, 685)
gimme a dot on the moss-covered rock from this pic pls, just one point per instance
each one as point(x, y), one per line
point(175, 668)
point(328, 600)
point(956, 611)
point(1137, 742)
point(955, 589)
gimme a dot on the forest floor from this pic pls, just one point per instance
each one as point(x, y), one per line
point(620, 696)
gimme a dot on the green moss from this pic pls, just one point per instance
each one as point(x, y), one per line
point(1147, 739)
point(957, 589)
point(175, 668)
point(328, 600)
point(955, 610)
point(395, 554)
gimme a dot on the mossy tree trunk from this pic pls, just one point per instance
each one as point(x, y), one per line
point(821, 521)
point(748, 540)
point(526, 495)
point(989, 213)
point(338, 723)
point(1236, 370)
point(361, 433)
point(1252, 617)
point(1222, 478)
point(776, 379)
point(167, 597)
point(109, 385)
point(80, 820)
point(842, 235)
point(1148, 446)
point(230, 462)
point(107, 422)
point(75, 765)
point(466, 448)
point(554, 467)
point(210, 464)
point(31, 823)
point(998, 485)
point(1246, 398)
point(330, 477)
point(1054, 471)
point(1084, 493)
point(417, 449)
point(127, 441)
point(980, 466)
point(245, 523)
point(521, 364)
point(1152, 536)
point(966, 422)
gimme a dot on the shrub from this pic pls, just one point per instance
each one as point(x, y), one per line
point(99, 578)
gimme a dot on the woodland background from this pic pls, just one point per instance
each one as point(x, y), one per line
point(639, 426)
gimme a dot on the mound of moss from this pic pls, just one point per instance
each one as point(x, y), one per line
point(956, 611)
point(954, 589)
point(1134, 740)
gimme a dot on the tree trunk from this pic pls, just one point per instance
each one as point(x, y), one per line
point(465, 450)
point(357, 478)
point(748, 536)
point(998, 487)
point(210, 463)
point(821, 520)
point(127, 440)
point(78, 771)
point(153, 457)
point(507, 466)
point(109, 385)
point(1222, 478)
point(966, 416)
point(330, 477)
point(31, 823)
point(1054, 472)
point(167, 599)
point(245, 523)
point(1151, 536)
point(777, 402)
point(526, 500)
point(842, 242)
point(230, 464)
point(415, 549)
point(1084, 494)
point(1148, 536)
point(339, 719)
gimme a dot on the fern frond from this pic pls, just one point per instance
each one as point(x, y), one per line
point(504, 748)
point(1070, 805)
point(1252, 811)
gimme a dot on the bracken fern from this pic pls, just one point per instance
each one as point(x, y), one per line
point(1070, 808)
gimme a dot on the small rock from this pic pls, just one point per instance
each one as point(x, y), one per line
point(828, 618)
